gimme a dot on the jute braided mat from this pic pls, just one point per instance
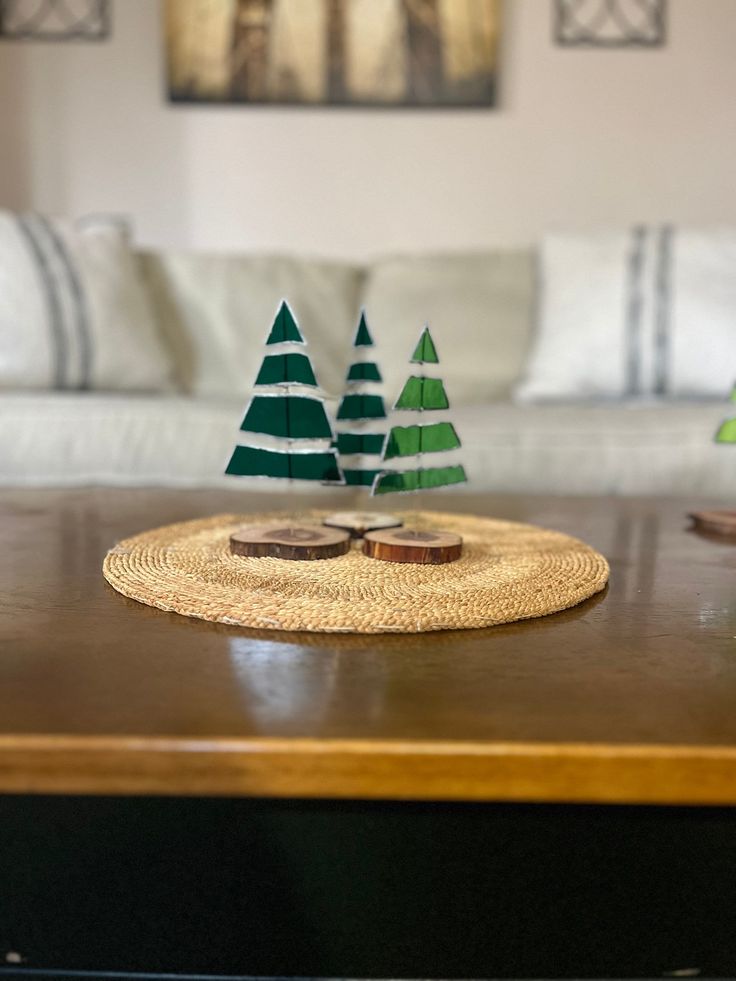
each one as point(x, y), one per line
point(508, 571)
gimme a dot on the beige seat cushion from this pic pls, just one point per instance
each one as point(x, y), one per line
point(478, 306)
point(71, 439)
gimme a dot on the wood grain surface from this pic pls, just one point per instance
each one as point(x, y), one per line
point(715, 522)
point(291, 541)
point(627, 698)
point(410, 545)
point(359, 522)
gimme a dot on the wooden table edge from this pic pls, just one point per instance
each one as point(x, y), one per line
point(363, 769)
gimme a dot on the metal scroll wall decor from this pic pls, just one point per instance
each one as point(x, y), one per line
point(610, 23)
point(54, 20)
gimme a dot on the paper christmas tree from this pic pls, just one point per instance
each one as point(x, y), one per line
point(727, 430)
point(359, 408)
point(420, 394)
point(294, 425)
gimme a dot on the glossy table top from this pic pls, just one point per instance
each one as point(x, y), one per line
point(628, 697)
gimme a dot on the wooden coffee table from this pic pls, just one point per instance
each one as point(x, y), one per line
point(408, 750)
point(630, 697)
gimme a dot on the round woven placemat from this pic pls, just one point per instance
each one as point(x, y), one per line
point(508, 571)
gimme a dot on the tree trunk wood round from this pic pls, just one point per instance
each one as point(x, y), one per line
point(411, 545)
point(721, 523)
point(359, 522)
point(290, 541)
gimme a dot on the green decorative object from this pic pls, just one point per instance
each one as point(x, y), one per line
point(420, 394)
point(253, 461)
point(413, 440)
point(361, 443)
point(284, 329)
point(727, 430)
point(361, 407)
point(364, 371)
point(425, 352)
point(363, 335)
point(721, 523)
point(286, 369)
point(286, 417)
point(357, 477)
point(426, 478)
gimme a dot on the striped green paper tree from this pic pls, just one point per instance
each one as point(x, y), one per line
point(284, 418)
point(727, 430)
point(359, 410)
point(420, 394)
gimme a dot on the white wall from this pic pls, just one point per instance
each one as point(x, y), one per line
point(581, 137)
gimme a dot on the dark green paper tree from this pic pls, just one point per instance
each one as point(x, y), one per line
point(274, 411)
point(360, 408)
point(727, 430)
point(420, 394)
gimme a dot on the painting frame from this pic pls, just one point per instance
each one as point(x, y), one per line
point(390, 54)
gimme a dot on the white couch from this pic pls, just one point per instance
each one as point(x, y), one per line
point(214, 312)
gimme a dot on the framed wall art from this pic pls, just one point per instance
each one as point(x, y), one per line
point(333, 52)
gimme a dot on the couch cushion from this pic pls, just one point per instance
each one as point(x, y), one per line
point(659, 448)
point(74, 313)
point(216, 312)
point(73, 439)
point(478, 306)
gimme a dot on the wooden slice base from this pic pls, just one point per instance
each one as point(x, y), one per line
point(721, 523)
point(289, 541)
point(410, 545)
point(359, 522)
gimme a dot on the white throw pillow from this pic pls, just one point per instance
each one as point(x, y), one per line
point(74, 313)
point(643, 313)
point(478, 307)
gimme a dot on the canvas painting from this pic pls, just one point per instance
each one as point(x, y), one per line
point(333, 52)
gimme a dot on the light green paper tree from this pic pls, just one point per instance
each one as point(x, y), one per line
point(727, 430)
point(285, 417)
point(359, 409)
point(420, 394)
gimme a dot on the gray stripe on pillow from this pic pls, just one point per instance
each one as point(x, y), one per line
point(53, 303)
point(663, 309)
point(634, 311)
point(81, 317)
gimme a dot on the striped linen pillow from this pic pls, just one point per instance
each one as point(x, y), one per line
point(74, 313)
point(639, 314)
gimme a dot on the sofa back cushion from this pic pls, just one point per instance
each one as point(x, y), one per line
point(216, 312)
point(74, 313)
point(478, 307)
